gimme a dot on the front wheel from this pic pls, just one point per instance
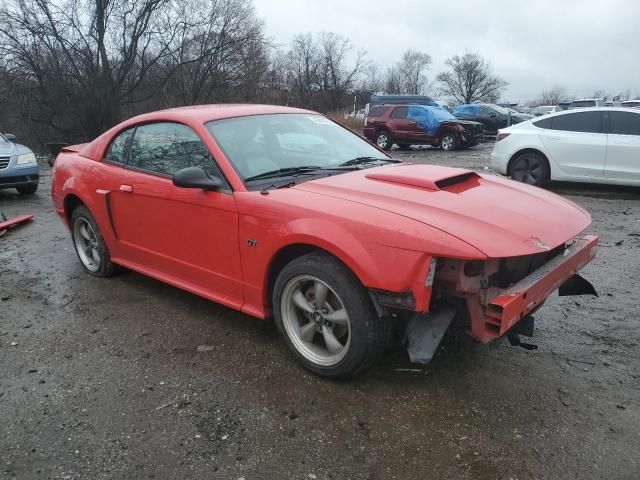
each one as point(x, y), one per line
point(531, 168)
point(448, 142)
point(326, 317)
point(383, 140)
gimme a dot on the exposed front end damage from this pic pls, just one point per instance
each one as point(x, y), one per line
point(499, 293)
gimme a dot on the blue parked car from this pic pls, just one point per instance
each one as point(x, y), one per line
point(18, 166)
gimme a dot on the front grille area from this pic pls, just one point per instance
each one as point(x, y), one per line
point(4, 162)
point(514, 269)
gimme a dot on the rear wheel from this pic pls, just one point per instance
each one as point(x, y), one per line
point(28, 189)
point(449, 141)
point(531, 168)
point(89, 244)
point(383, 140)
point(326, 316)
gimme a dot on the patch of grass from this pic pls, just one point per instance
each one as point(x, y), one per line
point(343, 118)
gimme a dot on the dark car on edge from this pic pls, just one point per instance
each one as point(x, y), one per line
point(493, 117)
point(407, 125)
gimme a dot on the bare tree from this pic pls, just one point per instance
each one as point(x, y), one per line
point(225, 49)
point(303, 65)
point(599, 93)
point(371, 80)
point(470, 79)
point(88, 63)
point(337, 76)
point(411, 67)
point(393, 81)
point(553, 96)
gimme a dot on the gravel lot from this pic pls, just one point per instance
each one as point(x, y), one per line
point(102, 379)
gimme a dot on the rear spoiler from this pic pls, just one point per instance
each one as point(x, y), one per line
point(72, 148)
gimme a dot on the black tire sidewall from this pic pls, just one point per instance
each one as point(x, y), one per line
point(106, 267)
point(366, 327)
point(541, 182)
point(27, 190)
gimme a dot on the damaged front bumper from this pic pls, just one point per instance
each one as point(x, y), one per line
point(492, 311)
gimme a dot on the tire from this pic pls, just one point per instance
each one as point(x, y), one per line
point(404, 146)
point(94, 257)
point(28, 189)
point(359, 331)
point(449, 141)
point(383, 140)
point(531, 168)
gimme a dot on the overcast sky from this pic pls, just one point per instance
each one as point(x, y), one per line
point(534, 45)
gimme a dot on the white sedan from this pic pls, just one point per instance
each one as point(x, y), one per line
point(595, 145)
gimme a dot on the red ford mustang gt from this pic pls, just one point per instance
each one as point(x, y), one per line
point(280, 211)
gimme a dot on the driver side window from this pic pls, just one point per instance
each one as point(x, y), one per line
point(164, 148)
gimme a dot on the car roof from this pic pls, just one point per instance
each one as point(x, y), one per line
point(191, 114)
point(585, 100)
point(588, 109)
point(205, 113)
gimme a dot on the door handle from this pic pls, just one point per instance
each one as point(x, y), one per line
point(126, 188)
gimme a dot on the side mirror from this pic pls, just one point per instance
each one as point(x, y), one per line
point(195, 177)
point(10, 136)
point(492, 115)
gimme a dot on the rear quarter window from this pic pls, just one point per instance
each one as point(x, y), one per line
point(544, 123)
point(377, 111)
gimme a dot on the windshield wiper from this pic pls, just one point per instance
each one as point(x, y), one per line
point(361, 160)
point(283, 172)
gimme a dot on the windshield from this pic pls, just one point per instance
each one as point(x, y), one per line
point(263, 143)
point(502, 110)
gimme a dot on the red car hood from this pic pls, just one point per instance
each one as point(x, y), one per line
point(499, 217)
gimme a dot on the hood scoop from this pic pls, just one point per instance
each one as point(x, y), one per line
point(430, 177)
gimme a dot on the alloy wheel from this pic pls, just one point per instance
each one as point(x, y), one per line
point(382, 140)
point(447, 143)
point(86, 243)
point(315, 320)
point(528, 169)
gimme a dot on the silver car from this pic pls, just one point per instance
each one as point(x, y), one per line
point(18, 166)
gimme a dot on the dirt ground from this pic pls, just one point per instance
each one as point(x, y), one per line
point(102, 379)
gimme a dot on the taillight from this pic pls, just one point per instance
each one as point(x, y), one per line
point(502, 136)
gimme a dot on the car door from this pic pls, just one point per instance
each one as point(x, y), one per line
point(421, 131)
point(577, 142)
point(623, 145)
point(185, 236)
point(399, 124)
point(492, 120)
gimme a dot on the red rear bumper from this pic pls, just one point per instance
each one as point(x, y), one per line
point(501, 309)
